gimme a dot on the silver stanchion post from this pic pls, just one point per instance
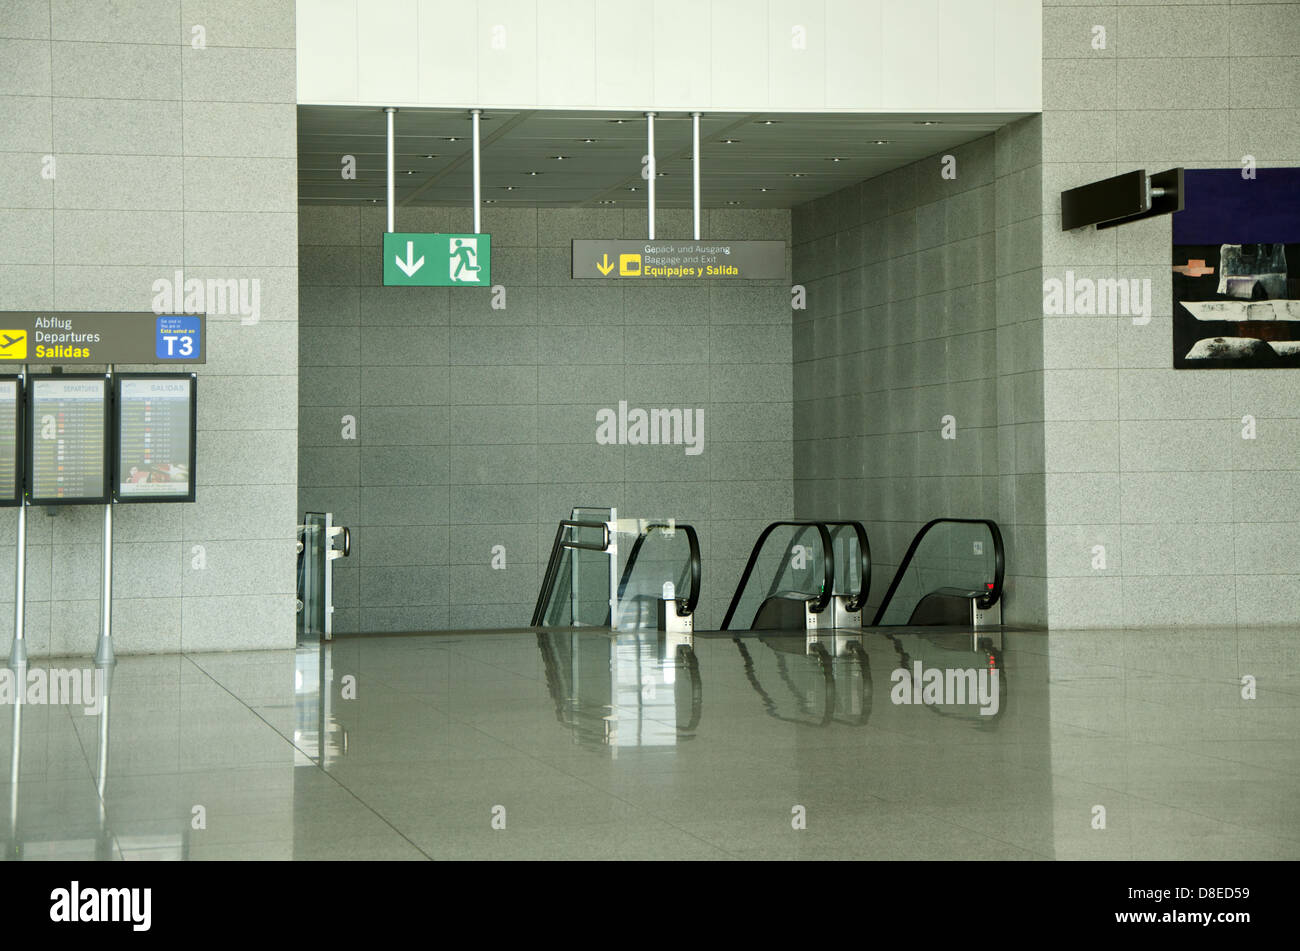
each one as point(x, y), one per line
point(18, 652)
point(104, 650)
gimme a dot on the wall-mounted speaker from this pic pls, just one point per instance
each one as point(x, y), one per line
point(1124, 198)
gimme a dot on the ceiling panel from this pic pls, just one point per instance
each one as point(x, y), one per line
point(585, 158)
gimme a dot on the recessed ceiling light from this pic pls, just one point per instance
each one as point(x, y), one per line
point(431, 156)
point(632, 188)
point(762, 189)
point(835, 158)
point(881, 142)
point(374, 201)
point(587, 141)
point(730, 141)
point(767, 122)
point(660, 174)
point(508, 188)
point(452, 138)
point(489, 201)
point(796, 174)
point(533, 174)
point(618, 121)
point(559, 158)
point(929, 122)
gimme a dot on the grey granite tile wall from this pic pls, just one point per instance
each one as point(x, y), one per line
point(922, 317)
point(476, 426)
point(1144, 462)
point(168, 157)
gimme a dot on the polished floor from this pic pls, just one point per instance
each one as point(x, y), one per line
point(573, 744)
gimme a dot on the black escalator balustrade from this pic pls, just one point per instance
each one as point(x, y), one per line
point(561, 590)
point(641, 600)
point(576, 587)
point(952, 574)
point(803, 593)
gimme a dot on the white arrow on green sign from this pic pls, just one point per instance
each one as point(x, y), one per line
point(437, 260)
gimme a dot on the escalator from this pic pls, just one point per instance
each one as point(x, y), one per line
point(625, 574)
point(951, 575)
point(820, 575)
point(657, 559)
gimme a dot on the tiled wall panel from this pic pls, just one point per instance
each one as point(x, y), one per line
point(168, 157)
point(477, 424)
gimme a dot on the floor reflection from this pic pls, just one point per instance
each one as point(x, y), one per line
point(594, 744)
point(620, 690)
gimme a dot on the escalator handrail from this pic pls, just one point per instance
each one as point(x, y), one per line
point(557, 553)
point(685, 606)
point(999, 563)
point(828, 567)
point(855, 604)
point(573, 523)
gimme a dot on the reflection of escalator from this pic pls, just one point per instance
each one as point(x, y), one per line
point(938, 671)
point(803, 679)
point(820, 577)
point(951, 574)
point(624, 690)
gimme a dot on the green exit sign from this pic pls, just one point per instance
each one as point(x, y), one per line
point(437, 260)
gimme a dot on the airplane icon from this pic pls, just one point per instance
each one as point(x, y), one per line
point(14, 346)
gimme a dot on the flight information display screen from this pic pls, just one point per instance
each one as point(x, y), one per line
point(155, 438)
point(67, 434)
point(10, 482)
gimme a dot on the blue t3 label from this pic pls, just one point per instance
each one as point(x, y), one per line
point(178, 338)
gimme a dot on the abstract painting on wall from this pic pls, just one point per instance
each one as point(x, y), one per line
point(1237, 270)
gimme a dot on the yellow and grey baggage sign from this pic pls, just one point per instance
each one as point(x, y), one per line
point(101, 337)
point(679, 260)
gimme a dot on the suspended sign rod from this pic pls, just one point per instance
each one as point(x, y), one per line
point(695, 168)
point(650, 174)
point(478, 184)
point(391, 112)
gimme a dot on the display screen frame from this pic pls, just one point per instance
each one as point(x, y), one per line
point(29, 480)
point(118, 380)
point(20, 416)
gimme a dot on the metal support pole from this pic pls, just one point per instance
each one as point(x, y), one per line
point(101, 765)
point(104, 650)
point(18, 652)
point(104, 844)
point(650, 174)
point(391, 112)
point(695, 170)
point(478, 182)
point(15, 759)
